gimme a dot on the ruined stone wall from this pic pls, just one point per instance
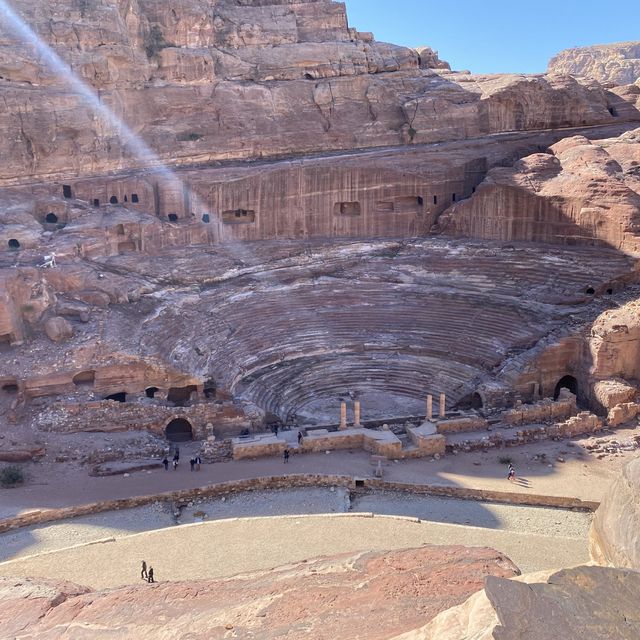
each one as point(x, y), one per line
point(108, 415)
point(295, 480)
point(543, 411)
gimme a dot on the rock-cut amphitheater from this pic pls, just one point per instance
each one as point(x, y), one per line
point(223, 217)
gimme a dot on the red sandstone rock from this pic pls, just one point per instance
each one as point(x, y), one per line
point(24, 601)
point(202, 82)
point(372, 595)
point(582, 193)
point(615, 533)
point(572, 604)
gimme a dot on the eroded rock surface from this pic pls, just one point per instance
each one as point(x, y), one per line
point(373, 595)
point(572, 604)
point(615, 532)
point(617, 63)
point(581, 192)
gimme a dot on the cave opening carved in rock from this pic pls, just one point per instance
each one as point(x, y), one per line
point(566, 382)
point(179, 430)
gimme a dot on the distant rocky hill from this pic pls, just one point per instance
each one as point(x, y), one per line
point(617, 63)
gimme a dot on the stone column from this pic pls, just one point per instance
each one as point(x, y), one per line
point(356, 414)
point(343, 415)
point(443, 405)
point(429, 407)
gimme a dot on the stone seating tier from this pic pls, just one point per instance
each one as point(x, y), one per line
point(423, 317)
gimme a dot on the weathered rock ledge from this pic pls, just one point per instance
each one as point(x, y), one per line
point(372, 595)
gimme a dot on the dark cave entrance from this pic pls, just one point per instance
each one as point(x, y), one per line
point(179, 430)
point(566, 382)
point(181, 395)
point(121, 396)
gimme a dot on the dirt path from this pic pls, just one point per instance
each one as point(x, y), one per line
point(582, 475)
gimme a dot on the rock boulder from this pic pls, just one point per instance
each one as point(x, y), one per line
point(58, 329)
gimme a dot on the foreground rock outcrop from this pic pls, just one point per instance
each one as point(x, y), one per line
point(372, 595)
point(615, 532)
point(616, 63)
point(573, 604)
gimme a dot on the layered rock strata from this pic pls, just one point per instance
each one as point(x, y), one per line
point(579, 192)
point(218, 80)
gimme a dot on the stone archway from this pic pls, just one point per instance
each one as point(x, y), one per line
point(566, 382)
point(179, 430)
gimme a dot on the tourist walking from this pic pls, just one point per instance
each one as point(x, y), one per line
point(511, 476)
point(143, 573)
point(198, 462)
point(192, 463)
point(299, 437)
point(165, 462)
point(175, 464)
point(285, 455)
point(150, 579)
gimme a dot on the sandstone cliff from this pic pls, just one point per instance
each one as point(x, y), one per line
point(617, 63)
point(204, 80)
point(372, 595)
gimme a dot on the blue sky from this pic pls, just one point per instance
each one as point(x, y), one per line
point(495, 36)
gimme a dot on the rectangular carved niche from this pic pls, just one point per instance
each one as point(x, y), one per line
point(238, 216)
point(409, 204)
point(347, 209)
point(385, 206)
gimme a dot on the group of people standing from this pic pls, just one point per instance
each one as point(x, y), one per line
point(195, 462)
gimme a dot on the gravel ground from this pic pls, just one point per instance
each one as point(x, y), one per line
point(280, 502)
point(231, 546)
point(560, 523)
point(67, 533)
point(556, 523)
